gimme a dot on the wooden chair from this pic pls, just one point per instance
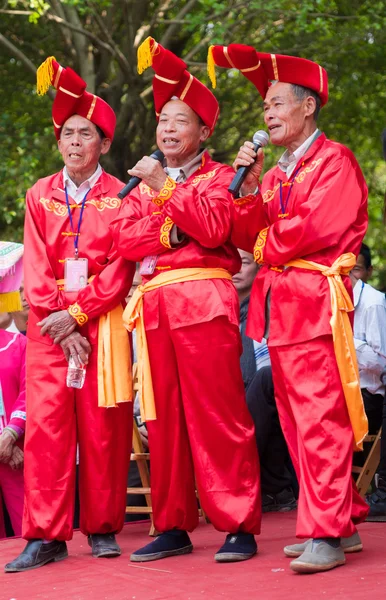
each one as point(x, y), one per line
point(142, 459)
point(367, 472)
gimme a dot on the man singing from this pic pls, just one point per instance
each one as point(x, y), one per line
point(178, 224)
point(305, 223)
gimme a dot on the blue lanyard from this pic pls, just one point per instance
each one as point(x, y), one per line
point(77, 233)
point(284, 205)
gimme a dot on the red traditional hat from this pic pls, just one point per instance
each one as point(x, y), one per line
point(172, 79)
point(72, 99)
point(261, 68)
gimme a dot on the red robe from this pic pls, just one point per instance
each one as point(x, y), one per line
point(203, 427)
point(327, 217)
point(58, 416)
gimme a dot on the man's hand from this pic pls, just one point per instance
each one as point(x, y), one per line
point(7, 442)
point(77, 346)
point(58, 325)
point(150, 171)
point(246, 157)
point(17, 459)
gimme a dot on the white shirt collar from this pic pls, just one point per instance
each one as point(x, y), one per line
point(357, 290)
point(74, 190)
point(288, 160)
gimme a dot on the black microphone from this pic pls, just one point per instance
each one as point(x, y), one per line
point(134, 181)
point(260, 139)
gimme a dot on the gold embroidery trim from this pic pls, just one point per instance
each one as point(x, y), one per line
point(103, 203)
point(165, 232)
point(225, 50)
point(269, 194)
point(56, 207)
point(274, 66)
point(166, 192)
point(321, 79)
point(187, 87)
point(58, 74)
point(70, 93)
point(204, 176)
point(251, 68)
point(258, 249)
point(75, 311)
point(91, 109)
point(244, 200)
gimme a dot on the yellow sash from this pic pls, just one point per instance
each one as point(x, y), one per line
point(114, 358)
point(343, 338)
point(133, 319)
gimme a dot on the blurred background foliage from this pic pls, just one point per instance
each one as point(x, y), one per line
point(99, 39)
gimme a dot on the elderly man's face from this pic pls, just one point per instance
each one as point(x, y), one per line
point(179, 133)
point(81, 146)
point(286, 117)
point(244, 279)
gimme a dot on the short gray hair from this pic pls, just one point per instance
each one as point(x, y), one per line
point(301, 93)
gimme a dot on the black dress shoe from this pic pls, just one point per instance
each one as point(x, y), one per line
point(103, 545)
point(36, 554)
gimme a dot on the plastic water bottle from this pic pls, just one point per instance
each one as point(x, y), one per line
point(75, 375)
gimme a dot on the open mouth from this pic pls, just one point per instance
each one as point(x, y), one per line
point(170, 141)
point(273, 127)
point(74, 155)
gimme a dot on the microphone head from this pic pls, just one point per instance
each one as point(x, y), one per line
point(261, 138)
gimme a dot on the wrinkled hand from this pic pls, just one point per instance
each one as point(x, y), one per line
point(77, 346)
point(150, 171)
point(17, 459)
point(58, 325)
point(143, 434)
point(7, 442)
point(246, 157)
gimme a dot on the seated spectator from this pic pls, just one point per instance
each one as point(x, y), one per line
point(370, 345)
point(276, 477)
point(12, 393)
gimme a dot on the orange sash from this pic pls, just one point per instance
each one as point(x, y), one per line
point(114, 358)
point(343, 340)
point(133, 319)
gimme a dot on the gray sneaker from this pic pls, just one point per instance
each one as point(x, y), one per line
point(317, 557)
point(348, 545)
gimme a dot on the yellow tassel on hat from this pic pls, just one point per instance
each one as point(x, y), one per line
point(10, 302)
point(145, 54)
point(44, 76)
point(211, 67)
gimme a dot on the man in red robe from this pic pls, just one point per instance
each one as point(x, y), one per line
point(305, 223)
point(75, 283)
point(178, 224)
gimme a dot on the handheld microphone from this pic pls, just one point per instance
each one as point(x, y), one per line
point(260, 139)
point(134, 181)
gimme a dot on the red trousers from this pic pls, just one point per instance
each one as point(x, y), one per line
point(57, 418)
point(12, 491)
point(315, 422)
point(203, 429)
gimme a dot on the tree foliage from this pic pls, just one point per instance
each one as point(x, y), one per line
point(99, 39)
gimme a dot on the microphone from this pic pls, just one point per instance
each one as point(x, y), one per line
point(134, 181)
point(260, 139)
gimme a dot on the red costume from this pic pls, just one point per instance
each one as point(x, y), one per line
point(202, 428)
point(12, 380)
point(59, 416)
point(321, 216)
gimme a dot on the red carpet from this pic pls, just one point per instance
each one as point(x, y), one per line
point(197, 576)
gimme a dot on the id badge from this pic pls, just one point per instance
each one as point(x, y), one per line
point(148, 265)
point(75, 274)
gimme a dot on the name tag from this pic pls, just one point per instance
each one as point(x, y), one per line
point(148, 265)
point(75, 274)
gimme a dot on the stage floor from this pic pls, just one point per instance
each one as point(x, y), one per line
point(197, 576)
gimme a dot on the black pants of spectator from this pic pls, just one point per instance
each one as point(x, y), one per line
point(374, 407)
point(382, 463)
point(273, 452)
